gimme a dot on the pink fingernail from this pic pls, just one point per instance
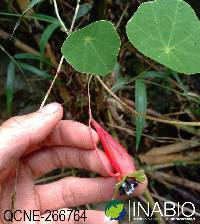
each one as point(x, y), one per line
point(50, 108)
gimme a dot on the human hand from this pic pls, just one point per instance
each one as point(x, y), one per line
point(44, 142)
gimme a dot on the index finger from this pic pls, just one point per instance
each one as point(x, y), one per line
point(23, 134)
point(72, 134)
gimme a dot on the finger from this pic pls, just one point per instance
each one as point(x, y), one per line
point(26, 132)
point(74, 191)
point(43, 161)
point(69, 216)
point(25, 199)
point(73, 134)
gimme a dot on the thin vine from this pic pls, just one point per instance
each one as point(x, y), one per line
point(135, 113)
point(90, 130)
point(13, 194)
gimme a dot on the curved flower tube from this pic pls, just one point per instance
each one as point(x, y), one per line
point(121, 161)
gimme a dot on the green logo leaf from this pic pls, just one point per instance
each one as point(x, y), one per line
point(93, 49)
point(167, 31)
point(115, 210)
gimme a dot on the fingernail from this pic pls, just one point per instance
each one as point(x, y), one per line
point(50, 108)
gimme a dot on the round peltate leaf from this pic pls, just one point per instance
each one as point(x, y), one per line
point(93, 49)
point(167, 31)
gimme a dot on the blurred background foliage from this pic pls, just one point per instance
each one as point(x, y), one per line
point(28, 62)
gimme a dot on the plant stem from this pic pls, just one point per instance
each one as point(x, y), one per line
point(75, 15)
point(89, 102)
point(122, 16)
point(62, 58)
point(151, 201)
point(52, 84)
point(90, 130)
point(58, 16)
point(100, 8)
point(13, 196)
point(135, 113)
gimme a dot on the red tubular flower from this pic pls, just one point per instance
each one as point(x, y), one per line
point(122, 163)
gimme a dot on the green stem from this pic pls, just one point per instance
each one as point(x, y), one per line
point(151, 201)
point(101, 7)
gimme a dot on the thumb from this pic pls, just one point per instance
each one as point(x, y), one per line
point(23, 134)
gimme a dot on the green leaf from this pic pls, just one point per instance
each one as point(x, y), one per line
point(35, 71)
point(141, 107)
point(181, 84)
point(29, 56)
point(83, 10)
point(93, 49)
point(44, 17)
point(167, 31)
point(119, 81)
point(154, 74)
point(31, 5)
point(46, 35)
point(10, 86)
point(38, 16)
